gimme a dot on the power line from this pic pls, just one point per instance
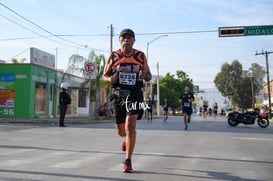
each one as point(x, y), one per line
point(19, 53)
point(45, 30)
point(150, 33)
point(178, 32)
point(39, 35)
point(52, 6)
point(21, 38)
point(96, 35)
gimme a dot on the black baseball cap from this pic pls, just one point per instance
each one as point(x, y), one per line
point(128, 32)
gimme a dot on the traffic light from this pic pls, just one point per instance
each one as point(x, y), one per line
point(231, 31)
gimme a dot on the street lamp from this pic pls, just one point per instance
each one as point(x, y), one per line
point(148, 43)
point(157, 66)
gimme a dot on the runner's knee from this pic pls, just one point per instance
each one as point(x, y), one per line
point(121, 133)
point(121, 129)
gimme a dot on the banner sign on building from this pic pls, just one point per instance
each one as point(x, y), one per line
point(42, 58)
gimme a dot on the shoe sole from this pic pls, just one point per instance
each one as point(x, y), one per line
point(127, 171)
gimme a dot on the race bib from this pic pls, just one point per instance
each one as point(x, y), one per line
point(127, 78)
point(186, 104)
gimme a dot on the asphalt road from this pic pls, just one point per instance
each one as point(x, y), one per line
point(209, 150)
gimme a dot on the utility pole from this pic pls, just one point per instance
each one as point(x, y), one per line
point(266, 53)
point(157, 67)
point(56, 59)
point(109, 90)
point(158, 91)
point(111, 38)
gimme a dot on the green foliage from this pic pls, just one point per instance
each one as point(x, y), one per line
point(238, 84)
point(99, 61)
point(76, 67)
point(172, 87)
point(93, 89)
point(16, 61)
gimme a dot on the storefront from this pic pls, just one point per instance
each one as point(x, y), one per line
point(32, 91)
point(27, 91)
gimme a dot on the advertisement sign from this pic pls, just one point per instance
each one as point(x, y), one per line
point(42, 58)
point(7, 94)
point(7, 98)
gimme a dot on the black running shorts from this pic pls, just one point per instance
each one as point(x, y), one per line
point(187, 110)
point(130, 105)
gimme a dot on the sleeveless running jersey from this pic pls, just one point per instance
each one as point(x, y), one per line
point(131, 65)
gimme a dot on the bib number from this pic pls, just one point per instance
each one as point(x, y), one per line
point(186, 104)
point(127, 78)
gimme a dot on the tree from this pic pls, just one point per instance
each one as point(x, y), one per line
point(243, 98)
point(171, 87)
point(15, 61)
point(238, 84)
point(222, 80)
point(100, 62)
point(76, 67)
point(258, 73)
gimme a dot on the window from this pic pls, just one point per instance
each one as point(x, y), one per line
point(40, 98)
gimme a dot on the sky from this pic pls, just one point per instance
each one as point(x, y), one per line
point(192, 44)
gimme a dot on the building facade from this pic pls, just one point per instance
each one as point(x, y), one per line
point(32, 91)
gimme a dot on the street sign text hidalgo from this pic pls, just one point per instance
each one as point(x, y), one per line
point(258, 30)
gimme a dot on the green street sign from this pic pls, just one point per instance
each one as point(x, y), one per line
point(258, 30)
point(245, 30)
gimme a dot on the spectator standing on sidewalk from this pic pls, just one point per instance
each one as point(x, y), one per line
point(64, 101)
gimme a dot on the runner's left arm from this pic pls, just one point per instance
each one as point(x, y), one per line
point(145, 73)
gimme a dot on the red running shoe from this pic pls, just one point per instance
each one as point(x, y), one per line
point(123, 146)
point(127, 166)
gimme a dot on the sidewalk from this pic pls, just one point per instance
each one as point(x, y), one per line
point(68, 120)
point(81, 120)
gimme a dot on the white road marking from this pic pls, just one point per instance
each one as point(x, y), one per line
point(258, 139)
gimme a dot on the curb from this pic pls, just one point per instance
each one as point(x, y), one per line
point(68, 120)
